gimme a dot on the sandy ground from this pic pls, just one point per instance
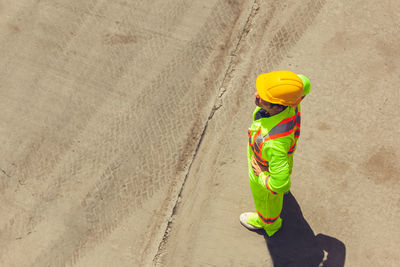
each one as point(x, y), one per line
point(124, 130)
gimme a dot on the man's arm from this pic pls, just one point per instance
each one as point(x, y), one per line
point(306, 84)
point(279, 169)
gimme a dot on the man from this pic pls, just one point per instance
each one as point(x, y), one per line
point(273, 139)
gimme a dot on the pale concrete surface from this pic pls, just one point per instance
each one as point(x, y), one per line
point(104, 104)
point(98, 124)
point(345, 197)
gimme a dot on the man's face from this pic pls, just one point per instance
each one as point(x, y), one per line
point(261, 103)
point(267, 106)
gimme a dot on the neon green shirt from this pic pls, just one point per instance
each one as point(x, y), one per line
point(275, 151)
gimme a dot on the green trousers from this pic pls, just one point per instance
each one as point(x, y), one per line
point(268, 204)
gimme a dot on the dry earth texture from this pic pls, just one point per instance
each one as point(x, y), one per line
point(123, 132)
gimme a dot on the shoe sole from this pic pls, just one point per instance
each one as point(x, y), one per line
point(243, 220)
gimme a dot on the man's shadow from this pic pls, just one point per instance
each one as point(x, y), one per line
point(296, 245)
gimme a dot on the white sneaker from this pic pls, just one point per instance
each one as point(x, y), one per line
point(243, 220)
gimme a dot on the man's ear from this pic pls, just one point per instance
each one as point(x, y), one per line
point(277, 109)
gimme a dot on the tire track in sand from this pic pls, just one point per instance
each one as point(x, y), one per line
point(46, 158)
point(112, 199)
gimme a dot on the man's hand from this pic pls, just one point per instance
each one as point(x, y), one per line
point(257, 168)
